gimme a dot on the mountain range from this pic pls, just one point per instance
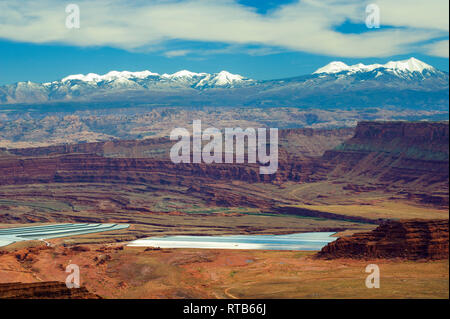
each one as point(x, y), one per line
point(406, 84)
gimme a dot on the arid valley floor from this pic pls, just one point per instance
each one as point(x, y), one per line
point(115, 272)
point(339, 180)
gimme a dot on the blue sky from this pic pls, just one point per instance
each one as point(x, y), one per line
point(255, 38)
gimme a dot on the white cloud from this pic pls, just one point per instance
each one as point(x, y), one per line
point(427, 14)
point(439, 49)
point(304, 26)
point(175, 53)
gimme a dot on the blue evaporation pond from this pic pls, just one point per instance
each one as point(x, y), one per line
point(12, 235)
point(301, 241)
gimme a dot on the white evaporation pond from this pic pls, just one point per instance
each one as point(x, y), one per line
point(301, 241)
point(12, 235)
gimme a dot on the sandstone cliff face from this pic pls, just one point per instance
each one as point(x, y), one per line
point(303, 142)
point(92, 168)
point(399, 157)
point(422, 141)
point(409, 239)
point(43, 290)
point(413, 156)
point(147, 148)
point(148, 161)
point(425, 135)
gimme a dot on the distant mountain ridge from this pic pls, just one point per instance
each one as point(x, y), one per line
point(396, 67)
point(405, 84)
point(184, 77)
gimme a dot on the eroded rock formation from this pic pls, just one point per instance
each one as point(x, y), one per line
point(409, 159)
point(397, 156)
point(410, 239)
point(43, 290)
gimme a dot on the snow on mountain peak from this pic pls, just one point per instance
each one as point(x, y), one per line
point(183, 73)
point(333, 67)
point(81, 77)
point(410, 65)
point(336, 67)
point(224, 77)
point(123, 79)
point(112, 75)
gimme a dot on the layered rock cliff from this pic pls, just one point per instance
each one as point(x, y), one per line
point(301, 142)
point(92, 168)
point(43, 290)
point(404, 158)
point(409, 239)
point(411, 157)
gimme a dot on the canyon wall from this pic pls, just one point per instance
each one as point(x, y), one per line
point(43, 290)
point(406, 156)
point(92, 168)
point(398, 157)
point(409, 239)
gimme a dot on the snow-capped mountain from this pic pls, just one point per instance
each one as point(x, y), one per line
point(408, 83)
point(183, 74)
point(110, 76)
point(398, 68)
point(145, 78)
point(222, 79)
point(82, 86)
